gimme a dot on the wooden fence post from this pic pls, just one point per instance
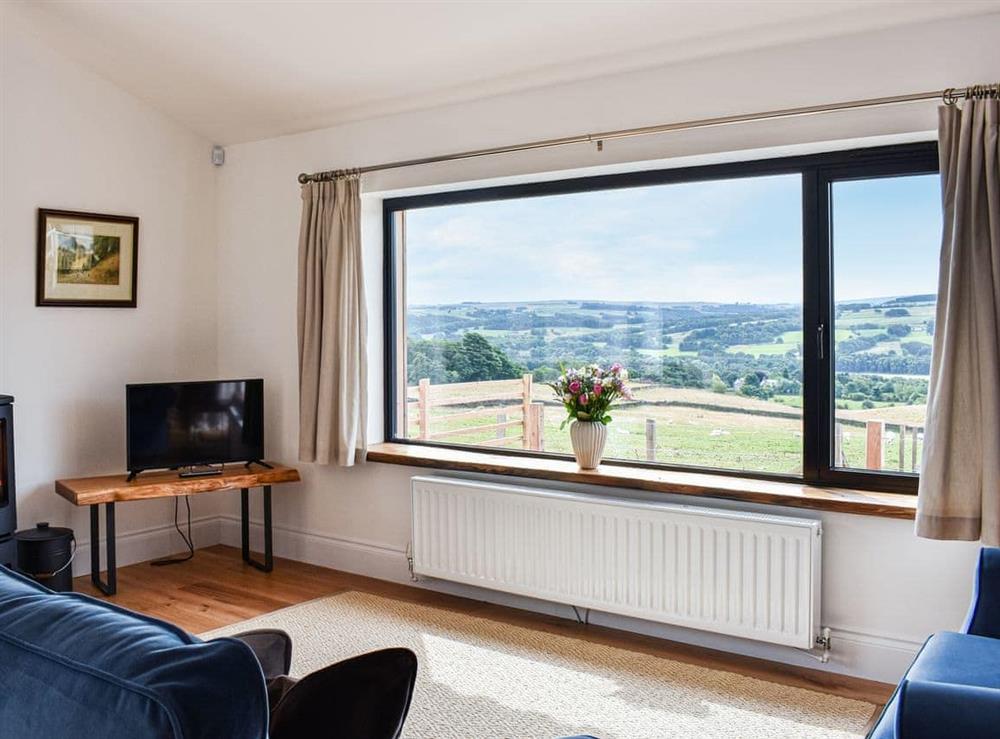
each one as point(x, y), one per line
point(423, 408)
point(650, 439)
point(838, 446)
point(874, 431)
point(902, 448)
point(913, 450)
point(526, 410)
point(533, 429)
point(501, 428)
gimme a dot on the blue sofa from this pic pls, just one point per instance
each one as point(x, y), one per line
point(71, 665)
point(952, 689)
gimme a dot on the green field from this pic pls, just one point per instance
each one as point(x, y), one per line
point(721, 383)
point(702, 429)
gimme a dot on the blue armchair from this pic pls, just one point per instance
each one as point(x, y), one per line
point(952, 689)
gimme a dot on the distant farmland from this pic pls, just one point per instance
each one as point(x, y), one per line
point(721, 384)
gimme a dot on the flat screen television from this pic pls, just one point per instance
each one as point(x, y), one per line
point(171, 425)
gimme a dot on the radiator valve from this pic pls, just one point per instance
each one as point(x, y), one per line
point(409, 564)
point(824, 641)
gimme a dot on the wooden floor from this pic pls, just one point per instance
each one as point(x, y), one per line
point(217, 589)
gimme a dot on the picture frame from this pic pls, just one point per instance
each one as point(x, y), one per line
point(87, 260)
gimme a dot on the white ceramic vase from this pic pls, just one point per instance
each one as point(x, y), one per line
point(588, 439)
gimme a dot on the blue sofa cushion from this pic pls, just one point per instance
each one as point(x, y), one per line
point(71, 665)
point(947, 658)
point(959, 659)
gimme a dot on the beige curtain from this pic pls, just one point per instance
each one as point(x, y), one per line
point(332, 325)
point(960, 476)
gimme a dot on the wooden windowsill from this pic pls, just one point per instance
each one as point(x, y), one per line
point(702, 485)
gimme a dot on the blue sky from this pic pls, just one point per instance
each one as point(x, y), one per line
point(720, 241)
point(887, 236)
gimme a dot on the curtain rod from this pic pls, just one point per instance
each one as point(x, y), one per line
point(949, 96)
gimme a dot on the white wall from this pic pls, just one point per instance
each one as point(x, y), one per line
point(71, 140)
point(884, 590)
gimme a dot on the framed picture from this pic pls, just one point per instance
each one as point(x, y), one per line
point(87, 259)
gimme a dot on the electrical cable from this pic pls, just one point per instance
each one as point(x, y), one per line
point(189, 539)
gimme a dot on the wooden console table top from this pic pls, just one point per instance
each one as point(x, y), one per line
point(85, 491)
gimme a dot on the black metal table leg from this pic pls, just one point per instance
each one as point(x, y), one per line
point(245, 523)
point(111, 586)
point(268, 564)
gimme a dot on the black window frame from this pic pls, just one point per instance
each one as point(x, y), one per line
point(818, 174)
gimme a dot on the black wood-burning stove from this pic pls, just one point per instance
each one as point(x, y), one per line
point(8, 506)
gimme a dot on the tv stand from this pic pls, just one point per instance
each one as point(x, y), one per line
point(111, 489)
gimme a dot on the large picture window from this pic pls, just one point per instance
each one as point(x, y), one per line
point(775, 316)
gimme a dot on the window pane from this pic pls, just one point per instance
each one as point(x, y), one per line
point(886, 242)
point(696, 288)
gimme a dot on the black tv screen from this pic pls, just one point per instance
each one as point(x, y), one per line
point(181, 424)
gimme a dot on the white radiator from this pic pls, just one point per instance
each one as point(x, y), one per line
point(745, 574)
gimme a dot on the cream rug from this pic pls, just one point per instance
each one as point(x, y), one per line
point(484, 678)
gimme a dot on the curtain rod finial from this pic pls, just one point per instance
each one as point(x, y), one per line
point(303, 178)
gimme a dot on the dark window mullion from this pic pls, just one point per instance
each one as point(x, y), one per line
point(825, 365)
point(812, 269)
point(390, 295)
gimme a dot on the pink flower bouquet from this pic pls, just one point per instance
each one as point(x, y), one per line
point(588, 392)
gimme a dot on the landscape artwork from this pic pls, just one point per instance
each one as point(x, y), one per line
point(86, 259)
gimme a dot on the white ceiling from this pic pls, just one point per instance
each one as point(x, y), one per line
point(238, 71)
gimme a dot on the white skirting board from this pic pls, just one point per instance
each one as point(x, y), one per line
point(348, 555)
point(140, 545)
point(873, 656)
